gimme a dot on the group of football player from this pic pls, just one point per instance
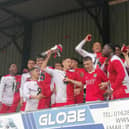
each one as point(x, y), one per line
point(103, 77)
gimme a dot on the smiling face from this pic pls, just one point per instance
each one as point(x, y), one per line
point(117, 51)
point(106, 50)
point(39, 61)
point(74, 64)
point(13, 69)
point(67, 63)
point(30, 64)
point(35, 73)
point(88, 65)
point(58, 66)
point(97, 47)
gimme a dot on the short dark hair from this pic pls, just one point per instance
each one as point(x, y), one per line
point(111, 46)
point(39, 56)
point(65, 58)
point(87, 58)
point(117, 46)
point(35, 67)
point(31, 59)
point(58, 62)
point(77, 60)
point(96, 42)
point(11, 64)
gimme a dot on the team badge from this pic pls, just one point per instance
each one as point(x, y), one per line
point(95, 75)
point(42, 77)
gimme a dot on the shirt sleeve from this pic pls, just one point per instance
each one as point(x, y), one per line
point(50, 71)
point(77, 77)
point(83, 52)
point(120, 74)
point(2, 85)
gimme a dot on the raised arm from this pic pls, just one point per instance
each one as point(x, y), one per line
point(45, 62)
point(81, 51)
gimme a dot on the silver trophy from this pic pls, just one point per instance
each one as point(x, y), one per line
point(57, 49)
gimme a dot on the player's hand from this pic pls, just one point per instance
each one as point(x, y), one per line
point(106, 61)
point(108, 93)
point(88, 38)
point(49, 53)
point(54, 90)
point(0, 105)
point(77, 91)
point(66, 80)
point(103, 85)
point(21, 101)
point(39, 96)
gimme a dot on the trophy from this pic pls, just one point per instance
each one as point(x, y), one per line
point(57, 49)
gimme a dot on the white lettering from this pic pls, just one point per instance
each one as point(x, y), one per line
point(43, 119)
point(50, 122)
point(59, 115)
point(81, 115)
point(63, 117)
point(71, 116)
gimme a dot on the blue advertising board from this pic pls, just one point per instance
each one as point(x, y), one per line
point(100, 115)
